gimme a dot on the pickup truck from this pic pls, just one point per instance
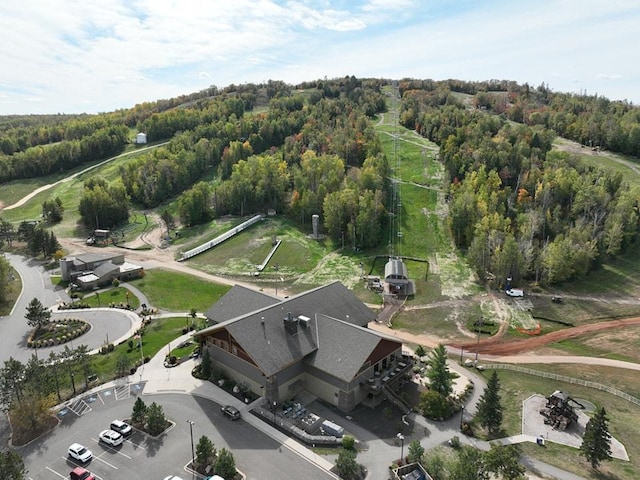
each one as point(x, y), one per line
point(515, 292)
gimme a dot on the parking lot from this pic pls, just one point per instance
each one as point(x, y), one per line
point(143, 456)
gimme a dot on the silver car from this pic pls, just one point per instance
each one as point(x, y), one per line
point(111, 437)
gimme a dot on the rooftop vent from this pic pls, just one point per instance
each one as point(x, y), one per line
point(304, 321)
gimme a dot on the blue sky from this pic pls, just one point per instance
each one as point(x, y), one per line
point(74, 56)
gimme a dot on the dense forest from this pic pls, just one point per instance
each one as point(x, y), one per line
point(517, 207)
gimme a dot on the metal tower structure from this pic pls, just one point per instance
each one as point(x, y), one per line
point(395, 207)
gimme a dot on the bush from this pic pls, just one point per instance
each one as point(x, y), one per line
point(435, 406)
point(348, 442)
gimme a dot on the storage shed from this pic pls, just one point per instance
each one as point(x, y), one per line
point(141, 138)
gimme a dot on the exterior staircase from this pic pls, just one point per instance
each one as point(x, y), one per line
point(396, 400)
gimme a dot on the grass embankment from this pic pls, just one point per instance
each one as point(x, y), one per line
point(11, 294)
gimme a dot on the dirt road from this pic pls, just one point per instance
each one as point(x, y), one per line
point(498, 346)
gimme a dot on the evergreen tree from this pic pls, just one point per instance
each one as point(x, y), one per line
point(12, 466)
point(139, 414)
point(416, 451)
point(205, 451)
point(205, 364)
point(347, 466)
point(156, 419)
point(225, 464)
point(37, 315)
point(440, 378)
point(596, 443)
point(420, 351)
point(122, 366)
point(489, 408)
point(52, 210)
point(168, 220)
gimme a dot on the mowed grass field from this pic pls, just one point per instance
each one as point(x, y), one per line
point(178, 292)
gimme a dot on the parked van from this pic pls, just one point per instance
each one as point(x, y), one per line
point(515, 292)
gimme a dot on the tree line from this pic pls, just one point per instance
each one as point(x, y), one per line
point(41, 160)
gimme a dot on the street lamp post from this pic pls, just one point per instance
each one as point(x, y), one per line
point(274, 411)
point(461, 417)
point(401, 438)
point(275, 267)
point(141, 357)
point(193, 455)
point(73, 383)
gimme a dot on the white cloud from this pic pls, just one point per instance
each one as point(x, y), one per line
point(76, 55)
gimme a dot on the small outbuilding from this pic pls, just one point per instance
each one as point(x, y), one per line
point(397, 278)
point(141, 138)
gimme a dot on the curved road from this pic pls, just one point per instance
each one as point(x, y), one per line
point(106, 323)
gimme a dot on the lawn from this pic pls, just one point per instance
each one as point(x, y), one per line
point(624, 421)
point(111, 297)
point(156, 336)
point(12, 293)
point(178, 292)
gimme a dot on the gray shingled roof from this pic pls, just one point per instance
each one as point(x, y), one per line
point(343, 348)
point(237, 302)
point(105, 269)
point(262, 334)
point(93, 257)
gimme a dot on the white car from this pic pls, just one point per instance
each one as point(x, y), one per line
point(121, 427)
point(111, 437)
point(80, 453)
point(515, 292)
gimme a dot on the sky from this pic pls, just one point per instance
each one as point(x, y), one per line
point(91, 56)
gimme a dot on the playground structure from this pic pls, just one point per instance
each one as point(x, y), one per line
point(559, 411)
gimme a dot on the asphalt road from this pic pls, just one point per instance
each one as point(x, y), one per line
point(14, 330)
point(142, 456)
point(36, 283)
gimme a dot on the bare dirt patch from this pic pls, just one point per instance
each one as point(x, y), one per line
point(498, 346)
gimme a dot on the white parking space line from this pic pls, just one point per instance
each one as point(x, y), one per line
point(111, 449)
point(54, 472)
point(137, 445)
point(105, 462)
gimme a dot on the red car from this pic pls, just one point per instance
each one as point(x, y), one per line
point(80, 473)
